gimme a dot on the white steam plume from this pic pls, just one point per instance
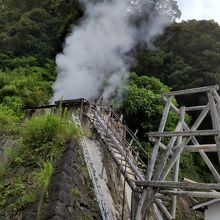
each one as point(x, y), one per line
point(95, 57)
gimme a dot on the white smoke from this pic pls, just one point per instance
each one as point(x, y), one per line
point(95, 57)
point(200, 9)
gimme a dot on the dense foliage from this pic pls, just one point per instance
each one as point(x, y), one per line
point(143, 106)
point(188, 57)
point(26, 171)
point(32, 32)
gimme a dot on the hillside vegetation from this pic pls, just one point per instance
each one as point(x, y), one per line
point(31, 34)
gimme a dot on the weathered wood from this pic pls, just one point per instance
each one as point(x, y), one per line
point(195, 108)
point(150, 194)
point(185, 133)
point(205, 157)
point(175, 179)
point(191, 181)
point(156, 145)
point(204, 147)
point(200, 118)
point(192, 194)
point(157, 212)
point(163, 208)
point(184, 136)
point(215, 121)
point(217, 99)
point(191, 91)
point(140, 214)
point(188, 180)
point(165, 157)
point(173, 160)
point(134, 203)
point(179, 185)
point(201, 152)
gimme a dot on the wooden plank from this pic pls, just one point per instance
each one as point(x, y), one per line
point(157, 144)
point(163, 209)
point(165, 156)
point(175, 179)
point(192, 194)
point(205, 157)
point(195, 108)
point(191, 91)
point(134, 203)
point(173, 160)
point(179, 185)
point(204, 147)
point(200, 118)
point(215, 121)
point(185, 133)
point(140, 213)
point(201, 152)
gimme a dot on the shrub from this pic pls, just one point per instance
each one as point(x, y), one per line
point(46, 132)
point(43, 176)
point(8, 121)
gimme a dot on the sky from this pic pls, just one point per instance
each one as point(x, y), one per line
point(200, 9)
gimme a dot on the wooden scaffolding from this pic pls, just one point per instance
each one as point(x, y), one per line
point(162, 179)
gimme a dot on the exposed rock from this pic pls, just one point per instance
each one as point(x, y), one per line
point(71, 193)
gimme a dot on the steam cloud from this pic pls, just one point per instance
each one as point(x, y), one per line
point(95, 57)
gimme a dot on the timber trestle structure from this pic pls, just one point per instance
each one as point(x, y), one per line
point(155, 181)
point(122, 143)
point(163, 174)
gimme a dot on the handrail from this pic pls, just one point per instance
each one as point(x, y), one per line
point(132, 135)
point(122, 140)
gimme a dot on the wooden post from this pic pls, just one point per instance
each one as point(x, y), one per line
point(140, 215)
point(170, 145)
point(190, 185)
point(175, 179)
point(201, 152)
point(192, 194)
point(215, 121)
point(134, 204)
point(156, 146)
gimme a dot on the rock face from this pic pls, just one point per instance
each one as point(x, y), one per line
point(71, 194)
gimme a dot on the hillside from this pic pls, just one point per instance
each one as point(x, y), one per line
point(32, 33)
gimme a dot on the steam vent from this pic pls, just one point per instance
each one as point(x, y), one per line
point(119, 177)
point(109, 110)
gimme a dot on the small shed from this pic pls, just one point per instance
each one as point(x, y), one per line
point(210, 208)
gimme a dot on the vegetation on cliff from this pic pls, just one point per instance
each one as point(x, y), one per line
point(32, 32)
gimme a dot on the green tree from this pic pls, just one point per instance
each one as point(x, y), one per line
point(143, 106)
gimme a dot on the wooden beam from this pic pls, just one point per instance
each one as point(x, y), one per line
point(163, 208)
point(185, 133)
point(179, 185)
point(142, 208)
point(175, 179)
point(191, 181)
point(157, 144)
point(195, 108)
point(192, 194)
point(204, 147)
point(201, 152)
point(173, 159)
point(215, 121)
point(200, 118)
point(166, 154)
point(191, 91)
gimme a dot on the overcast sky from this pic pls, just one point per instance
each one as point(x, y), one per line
point(200, 9)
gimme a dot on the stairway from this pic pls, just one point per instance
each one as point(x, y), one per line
point(100, 187)
point(124, 148)
point(115, 134)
